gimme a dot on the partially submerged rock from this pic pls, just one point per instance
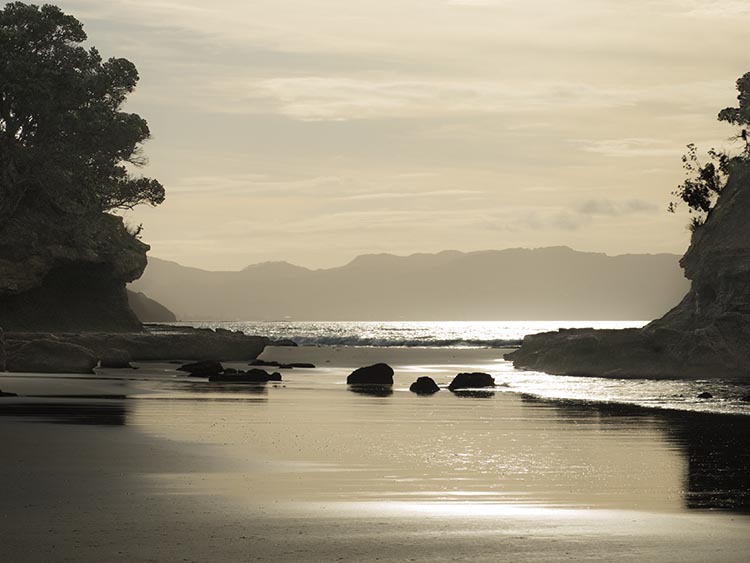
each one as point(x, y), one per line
point(377, 374)
point(6, 394)
point(51, 356)
point(473, 380)
point(424, 386)
point(705, 395)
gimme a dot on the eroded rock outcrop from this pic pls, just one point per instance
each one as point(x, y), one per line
point(64, 271)
point(706, 335)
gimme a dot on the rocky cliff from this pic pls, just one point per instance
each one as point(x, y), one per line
point(706, 335)
point(66, 271)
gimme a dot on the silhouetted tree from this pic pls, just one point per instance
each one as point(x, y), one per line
point(704, 182)
point(63, 138)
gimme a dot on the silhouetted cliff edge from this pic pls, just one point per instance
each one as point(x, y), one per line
point(706, 335)
point(66, 271)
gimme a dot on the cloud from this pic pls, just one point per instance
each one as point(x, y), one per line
point(630, 147)
point(615, 208)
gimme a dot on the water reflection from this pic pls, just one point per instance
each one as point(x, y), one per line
point(715, 447)
point(474, 393)
point(105, 413)
point(372, 390)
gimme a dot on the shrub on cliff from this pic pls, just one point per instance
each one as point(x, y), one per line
point(704, 182)
point(64, 140)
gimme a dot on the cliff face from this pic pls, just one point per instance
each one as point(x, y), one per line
point(62, 271)
point(706, 335)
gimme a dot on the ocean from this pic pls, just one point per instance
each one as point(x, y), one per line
point(681, 395)
point(431, 334)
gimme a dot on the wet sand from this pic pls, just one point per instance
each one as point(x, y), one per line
point(147, 465)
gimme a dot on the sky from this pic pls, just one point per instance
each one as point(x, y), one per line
point(315, 131)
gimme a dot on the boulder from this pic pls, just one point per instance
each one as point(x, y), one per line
point(705, 395)
point(119, 359)
point(275, 376)
point(424, 386)
point(204, 368)
point(473, 380)
point(377, 374)
point(249, 376)
point(51, 356)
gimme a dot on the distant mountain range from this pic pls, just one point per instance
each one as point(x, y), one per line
point(555, 283)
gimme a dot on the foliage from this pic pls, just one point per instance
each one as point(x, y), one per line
point(63, 136)
point(703, 184)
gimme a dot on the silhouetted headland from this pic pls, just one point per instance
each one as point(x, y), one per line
point(706, 335)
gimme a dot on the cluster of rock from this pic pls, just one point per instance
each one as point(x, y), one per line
point(381, 375)
point(82, 352)
point(706, 335)
point(216, 372)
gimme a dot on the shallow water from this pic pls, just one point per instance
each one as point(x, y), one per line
point(453, 334)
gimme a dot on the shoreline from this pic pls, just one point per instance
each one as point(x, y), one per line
point(306, 469)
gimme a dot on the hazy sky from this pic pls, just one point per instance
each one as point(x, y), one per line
point(315, 130)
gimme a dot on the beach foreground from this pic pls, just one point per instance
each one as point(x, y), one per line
point(149, 465)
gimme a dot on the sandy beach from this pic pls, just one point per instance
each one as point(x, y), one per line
point(149, 465)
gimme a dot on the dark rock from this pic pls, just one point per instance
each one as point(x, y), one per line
point(231, 371)
point(745, 399)
point(377, 374)
point(205, 368)
point(5, 394)
point(115, 358)
point(705, 395)
point(164, 343)
point(283, 342)
point(147, 310)
point(51, 356)
point(249, 376)
point(285, 366)
point(275, 376)
point(300, 365)
point(471, 381)
point(424, 386)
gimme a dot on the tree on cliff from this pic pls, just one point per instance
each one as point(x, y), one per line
point(704, 182)
point(63, 139)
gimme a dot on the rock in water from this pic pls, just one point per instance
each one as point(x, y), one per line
point(377, 374)
point(51, 356)
point(471, 381)
point(4, 394)
point(705, 395)
point(119, 359)
point(205, 368)
point(706, 335)
point(424, 386)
